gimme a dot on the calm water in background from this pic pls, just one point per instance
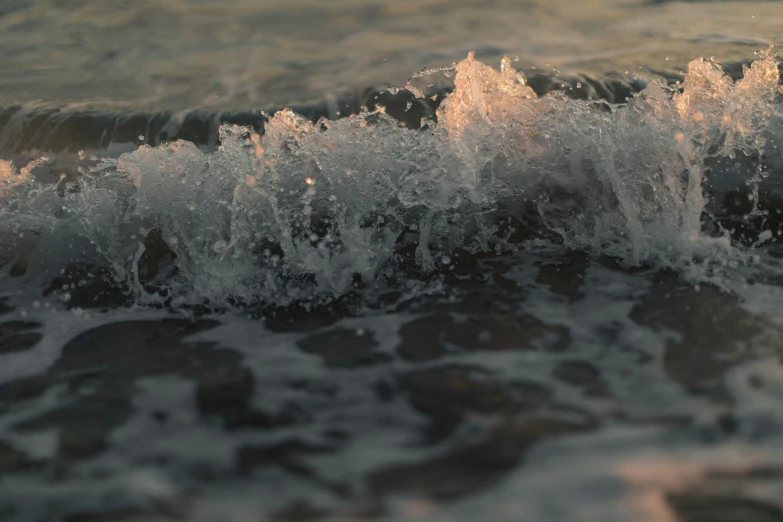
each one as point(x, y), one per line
point(172, 349)
point(240, 54)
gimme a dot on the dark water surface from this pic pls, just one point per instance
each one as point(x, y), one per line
point(547, 292)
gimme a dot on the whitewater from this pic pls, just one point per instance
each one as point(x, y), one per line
point(310, 208)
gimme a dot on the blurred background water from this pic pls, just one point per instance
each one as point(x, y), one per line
point(242, 54)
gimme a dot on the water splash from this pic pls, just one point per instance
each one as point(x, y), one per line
point(316, 208)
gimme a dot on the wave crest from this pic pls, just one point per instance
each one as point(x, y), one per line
point(310, 208)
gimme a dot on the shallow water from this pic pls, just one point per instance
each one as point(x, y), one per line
point(544, 287)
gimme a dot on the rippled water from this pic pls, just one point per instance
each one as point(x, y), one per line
point(502, 261)
point(240, 54)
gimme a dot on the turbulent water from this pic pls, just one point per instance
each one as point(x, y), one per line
point(482, 295)
point(317, 208)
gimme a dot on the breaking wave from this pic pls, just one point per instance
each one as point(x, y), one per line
point(682, 176)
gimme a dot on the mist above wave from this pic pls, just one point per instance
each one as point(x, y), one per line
point(317, 208)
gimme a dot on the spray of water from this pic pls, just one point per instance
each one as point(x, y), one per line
point(312, 208)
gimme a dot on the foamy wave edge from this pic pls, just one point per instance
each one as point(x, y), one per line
point(309, 209)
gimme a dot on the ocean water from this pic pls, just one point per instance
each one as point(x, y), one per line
point(283, 261)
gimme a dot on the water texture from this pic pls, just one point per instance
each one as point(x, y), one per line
point(538, 279)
